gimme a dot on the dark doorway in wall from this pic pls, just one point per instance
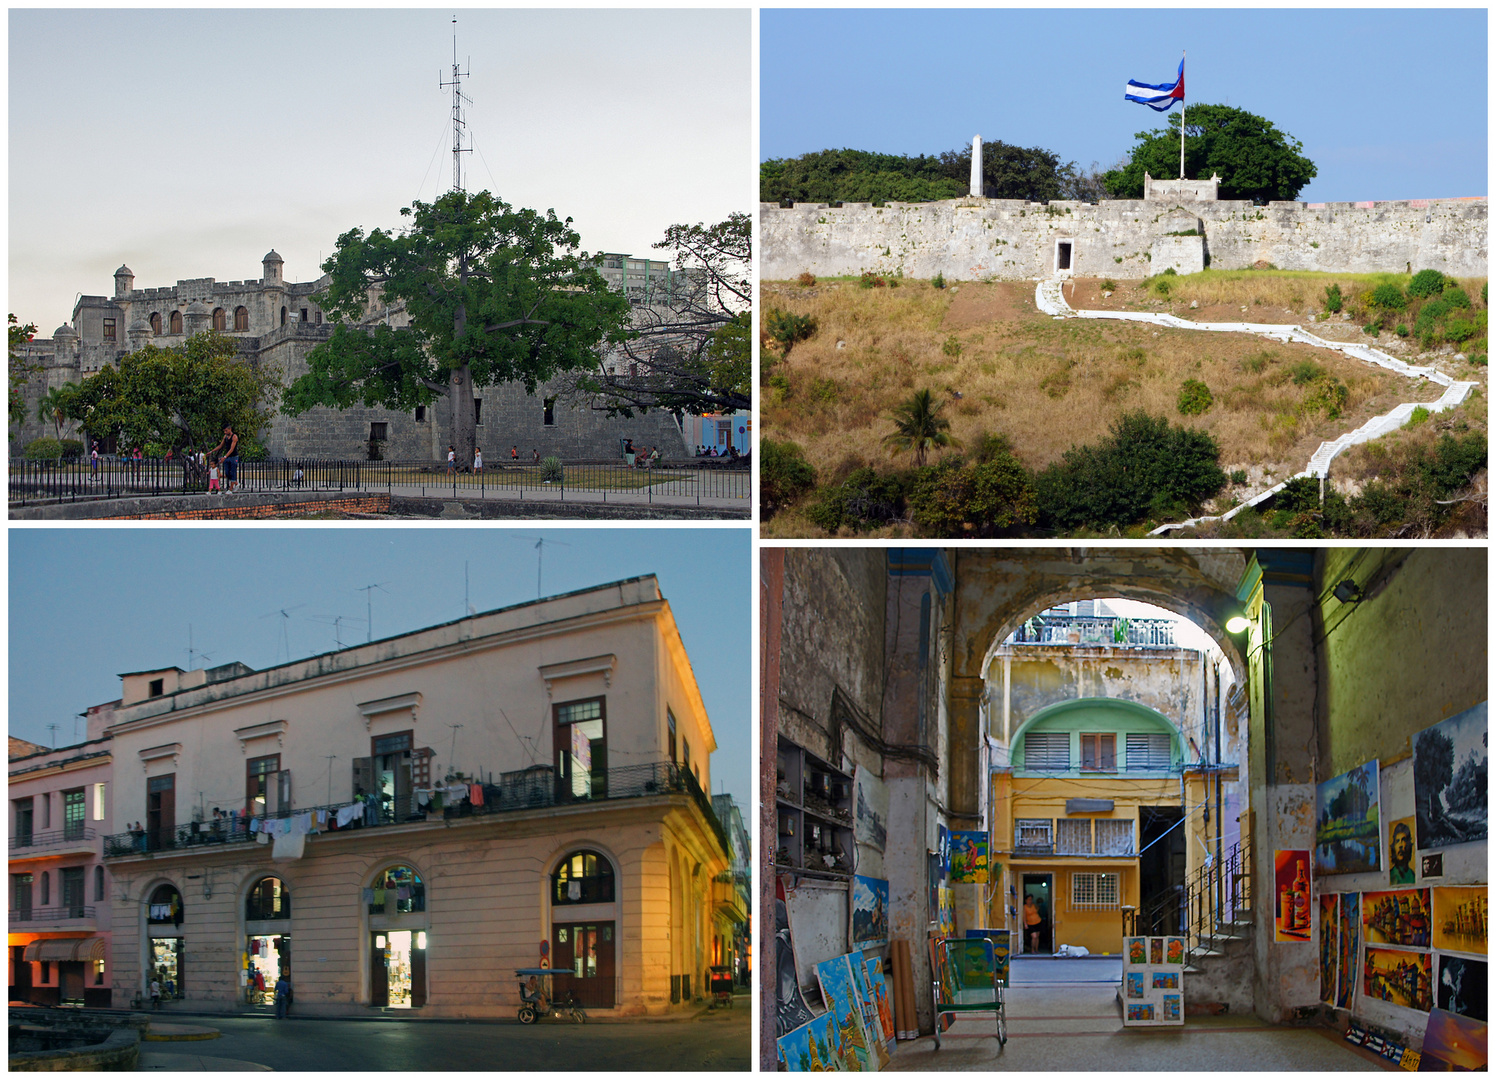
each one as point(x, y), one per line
point(1062, 255)
point(1041, 888)
point(1161, 870)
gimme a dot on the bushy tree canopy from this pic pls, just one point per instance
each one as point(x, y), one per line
point(1253, 158)
point(176, 398)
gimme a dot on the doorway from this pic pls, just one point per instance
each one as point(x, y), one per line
point(1039, 887)
point(166, 967)
point(398, 976)
point(1062, 254)
point(20, 988)
point(587, 950)
point(269, 957)
point(1161, 870)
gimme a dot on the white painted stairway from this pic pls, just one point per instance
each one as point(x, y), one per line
point(1050, 299)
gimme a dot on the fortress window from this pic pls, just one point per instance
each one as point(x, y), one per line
point(420, 413)
point(283, 316)
point(241, 318)
point(109, 333)
point(220, 323)
point(155, 322)
point(176, 322)
point(303, 314)
point(379, 430)
point(550, 412)
point(319, 317)
point(477, 410)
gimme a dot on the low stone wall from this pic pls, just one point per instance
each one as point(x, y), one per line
point(109, 1043)
point(202, 508)
point(1009, 239)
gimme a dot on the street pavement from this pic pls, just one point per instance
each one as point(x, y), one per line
point(715, 1041)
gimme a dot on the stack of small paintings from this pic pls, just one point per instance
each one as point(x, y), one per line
point(856, 1032)
point(1153, 981)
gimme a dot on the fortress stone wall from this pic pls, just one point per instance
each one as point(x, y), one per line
point(974, 239)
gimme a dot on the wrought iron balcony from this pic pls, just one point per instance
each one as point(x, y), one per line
point(30, 915)
point(526, 789)
point(69, 836)
point(1093, 630)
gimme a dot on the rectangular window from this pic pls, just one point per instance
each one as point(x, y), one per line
point(74, 813)
point(1073, 836)
point(1114, 836)
point(1149, 752)
point(259, 778)
point(1098, 753)
point(379, 430)
point(20, 895)
point(303, 314)
point(1094, 892)
point(24, 811)
point(319, 317)
point(670, 734)
point(477, 411)
point(46, 815)
point(1046, 751)
point(1033, 834)
point(72, 891)
point(550, 412)
point(109, 332)
point(99, 806)
point(582, 748)
point(158, 687)
point(420, 414)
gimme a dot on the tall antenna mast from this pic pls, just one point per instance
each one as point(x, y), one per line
point(458, 97)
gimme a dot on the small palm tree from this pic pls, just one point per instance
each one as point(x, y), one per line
point(53, 407)
point(918, 426)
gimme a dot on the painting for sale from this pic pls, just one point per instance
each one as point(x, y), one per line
point(1173, 1008)
point(1347, 828)
point(1137, 950)
point(812, 1047)
point(1462, 987)
point(879, 986)
point(969, 858)
point(869, 912)
point(1142, 1013)
point(1449, 780)
point(1350, 949)
point(1329, 945)
point(1460, 914)
point(1403, 978)
point(1166, 980)
point(1155, 950)
point(840, 994)
point(1174, 950)
point(1135, 987)
point(1291, 920)
point(1400, 917)
point(1453, 1043)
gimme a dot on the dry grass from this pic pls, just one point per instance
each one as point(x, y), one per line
point(1048, 385)
point(1371, 460)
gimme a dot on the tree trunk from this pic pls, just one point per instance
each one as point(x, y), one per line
point(463, 427)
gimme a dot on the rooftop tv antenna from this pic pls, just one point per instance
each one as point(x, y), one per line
point(193, 655)
point(368, 591)
point(458, 97)
point(52, 727)
point(285, 617)
point(540, 543)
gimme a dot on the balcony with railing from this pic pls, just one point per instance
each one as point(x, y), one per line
point(63, 917)
point(535, 788)
point(71, 839)
point(1096, 630)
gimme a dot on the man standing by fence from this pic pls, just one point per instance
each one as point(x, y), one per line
point(230, 446)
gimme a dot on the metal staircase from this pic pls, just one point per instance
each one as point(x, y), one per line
point(1212, 909)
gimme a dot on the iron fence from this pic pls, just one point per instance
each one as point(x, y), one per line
point(69, 834)
point(533, 788)
point(1212, 906)
point(51, 914)
point(695, 479)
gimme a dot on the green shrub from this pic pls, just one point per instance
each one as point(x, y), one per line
point(1142, 467)
point(552, 470)
point(952, 347)
point(1417, 416)
point(1306, 372)
point(1387, 296)
point(864, 500)
point(72, 449)
point(784, 474)
point(1257, 363)
point(44, 449)
point(1239, 477)
point(938, 281)
point(780, 384)
point(1108, 285)
point(1426, 283)
point(1169, 271)
point(870, 280)
point(1372, 329)
point(1459, 330)
point(1456, 297)
point(789, 328)
point(824, 391)
point(1333, 300)
point(1435, 309)
point(1402, 329)
point(1194, 397)
point(989, 447)
point(1327, 396)
point(1160, 286)
point(997, 494)
point(1478, 360)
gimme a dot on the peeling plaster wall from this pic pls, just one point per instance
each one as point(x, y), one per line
point(1168, 681)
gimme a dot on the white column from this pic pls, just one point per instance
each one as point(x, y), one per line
point(976, 167)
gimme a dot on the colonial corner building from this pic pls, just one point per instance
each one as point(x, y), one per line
point(406, 823)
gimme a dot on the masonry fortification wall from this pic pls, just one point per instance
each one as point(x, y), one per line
point(973, 239)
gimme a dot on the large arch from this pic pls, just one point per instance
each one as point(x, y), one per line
point(606, 916)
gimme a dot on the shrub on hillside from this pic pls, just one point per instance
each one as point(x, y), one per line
point(863, 500)
point(784, 474)
point(1387, 296)
point(788, 328)
point(995, 495)
point(1143, 467)
point(806, 279)
point(1426, 283)
point(1194, 397)
point(1456, 297)
point(1328, 396)
point(1334, 302)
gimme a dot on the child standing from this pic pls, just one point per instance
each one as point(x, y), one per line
point(478, 459)
point(212, 475)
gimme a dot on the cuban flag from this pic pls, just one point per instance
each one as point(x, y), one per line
point(1160, 98)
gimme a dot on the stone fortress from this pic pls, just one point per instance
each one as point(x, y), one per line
point(976, 238)
point(277, 323)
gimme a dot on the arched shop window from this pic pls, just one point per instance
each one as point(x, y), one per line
point(584, 877)
point(397, 891)
point(165, 906)
point(268, 899)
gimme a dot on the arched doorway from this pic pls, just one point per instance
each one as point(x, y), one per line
point(395, 903)
point(164, 914)
point(584, 927)
point(267, 938)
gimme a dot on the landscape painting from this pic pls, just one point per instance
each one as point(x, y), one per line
point(1460, 914)
point(869, 912)
point(840, 993)
point(1403, 978)
point(1453, 1043)
point(1400, 917)
point(1449, 780)
point(1347, 828)
point(812, 1047)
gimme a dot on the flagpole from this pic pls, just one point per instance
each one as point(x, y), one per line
point(1181, 122)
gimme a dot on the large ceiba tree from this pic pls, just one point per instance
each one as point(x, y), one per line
point(493, 295)
point(1254, 159)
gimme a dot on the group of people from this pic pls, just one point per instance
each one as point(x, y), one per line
point(222, 462)
point(478, 458)
point(634, 459)
point(702, 450)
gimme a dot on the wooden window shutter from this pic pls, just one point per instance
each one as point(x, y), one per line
point(420, 767)
point(283, 790)
point(417, 977)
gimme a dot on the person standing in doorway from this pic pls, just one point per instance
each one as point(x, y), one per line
point(283, 994)
point(1032, 920)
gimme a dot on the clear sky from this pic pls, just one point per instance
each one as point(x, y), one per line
point(1389, 104)
point(188, 143)
point(87, 604)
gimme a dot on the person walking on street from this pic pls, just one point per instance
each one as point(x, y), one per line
point(155, 992)
point(452, 460)
point(478, 459)
point(283, 994)
point(93, 458)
